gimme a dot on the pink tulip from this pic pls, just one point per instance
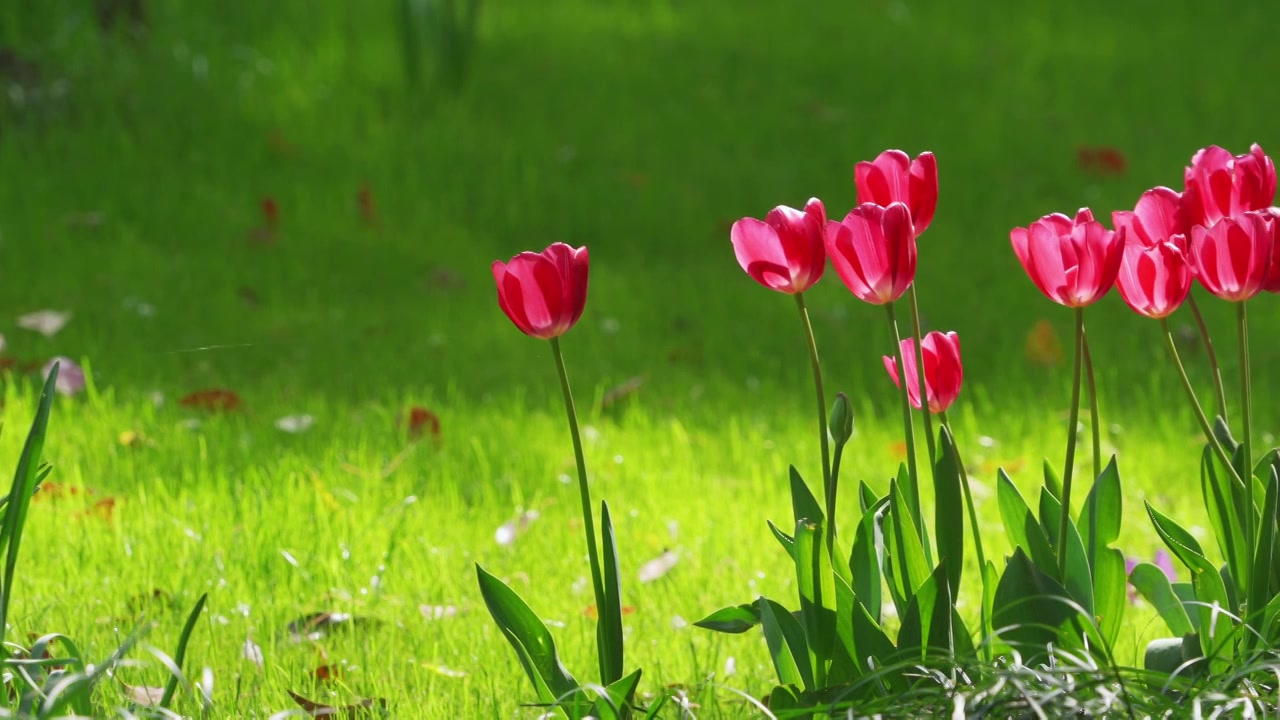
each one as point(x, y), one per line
point(1073, 262)
point(1220, 185)
point(1232, 259)
point(785, 251)
point(943, 371)
point(1154, 280)
point(1272, 283)
point(543, 293)
point(874, 251)
point(895, 177)
point(1158, 217)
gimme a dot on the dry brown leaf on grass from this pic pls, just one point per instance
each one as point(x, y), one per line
point(364, 708)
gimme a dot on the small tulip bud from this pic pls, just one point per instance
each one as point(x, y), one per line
point(840, 423)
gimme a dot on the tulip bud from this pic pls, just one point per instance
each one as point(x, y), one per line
point(840, 422)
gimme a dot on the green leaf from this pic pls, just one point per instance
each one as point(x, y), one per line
point(803, 504)
point(532, 641)
point(732, 620)
point(1205, 578)
point(949, 511)
point(609, 629)
point(1079, 578)
point(1020, 524)
point(866, 496)
point(868, 557)
point(1223, 434)
point(1103, 508)
point(180, 653)
point(1264, 563)
point(1110, 593)
point(1030, 607)
point(785, 638)
point(1151, 582)
point(1051, 479)
point(931, 625)
point(874, 648)
point(25, 480)
point(618, 697)
point(787, 542)
point(816, 584)
point(1224, 505)
point(783, 698)
point(907, 564)
point(844, 666)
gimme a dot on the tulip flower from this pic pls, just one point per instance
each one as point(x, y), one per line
point(894, 177)
point(1272, 283)
point(785, 251)
point(1158, 217)
point(1073, 262)
point(874, 251)
point(1154, 280)
point(543, 293)
point(1220, 185)
point(943, 371)
point(1232, 258)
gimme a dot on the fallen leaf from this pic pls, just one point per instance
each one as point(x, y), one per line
point(215, 399)
point(144, 695)
point(327, 672)
point(591, 612)
point(145, 601)
point(422, 420)
point(103, 509)
point(295, 423)
point(359, 709)
point(438, 612)
point(368, 209)
point(1043, 346)
point(270, 213)
point(71, 378)
point(658, 566)
point(320, 624)
point(45, 322)
point(621, 392)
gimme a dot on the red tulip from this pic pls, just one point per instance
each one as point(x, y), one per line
point(1073, 262)
point(943, 371)
point(543, 293)
point(1153, 279)
point(1157, 218)
point(1220, 185)
point(894, 177)
point(785, 251)
point(1232, 258)
point(1272, 283)
point(874, 251)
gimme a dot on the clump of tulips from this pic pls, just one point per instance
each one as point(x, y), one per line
point(1064, 587)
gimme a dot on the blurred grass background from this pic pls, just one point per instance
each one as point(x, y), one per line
point(135, 166)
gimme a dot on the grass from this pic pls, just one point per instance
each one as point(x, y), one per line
point(639, 128)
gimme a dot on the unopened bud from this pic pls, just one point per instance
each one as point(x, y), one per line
point(840, 423)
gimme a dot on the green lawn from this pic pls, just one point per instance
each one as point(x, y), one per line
point(640, 128)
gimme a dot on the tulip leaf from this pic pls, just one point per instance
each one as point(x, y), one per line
point(1079, 577)
point(1224, 505)
point(732, 620)
point(1051, 480)
point(1152, 583)
point(868, 557)
point(907, 564)
point(844, 666)
point(1021, 526)
point(873, 646)
point(866, 496)
point(787, 647)
point(1265, 559)
point(533, 644)
point(803, 504)
point(1110, 593)
point(816, 583)
point(1103, 508)
point(617, 698)
point(784, 698)
point(1030, 607)
point(787, 542)
point(948, 510)
point(1205, 578)
point(609, 629)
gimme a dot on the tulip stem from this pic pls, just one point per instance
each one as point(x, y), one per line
point(828, 485)
point(1218, 389)
point(584, 492)
point(1242, 320)
point(924, 394)
point(973, 524)
point(1073, 422)
point(913, 492)
point(1205, 426)
point(1094, 421)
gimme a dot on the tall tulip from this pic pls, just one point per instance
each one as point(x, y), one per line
point(874, 251)
point(894, 177)
point(1159, 215)
point(1221, 185)
point(784, 252)
point(1233, 257)
point(943, 370)
point(1073, 262)
point(1272, 283)
point(543, 293)
point(1154, 280)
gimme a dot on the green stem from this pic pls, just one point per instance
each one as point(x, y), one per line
point(1205, 426)
point(913, 495)
point(827, 486)
point(919, 338)
point(1094, 422)
point(1067, 471)
point(1218, 389)
point(973, 524)
point(588, 523)
point(1242, 321)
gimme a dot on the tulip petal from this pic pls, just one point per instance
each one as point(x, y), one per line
point(759, 252)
